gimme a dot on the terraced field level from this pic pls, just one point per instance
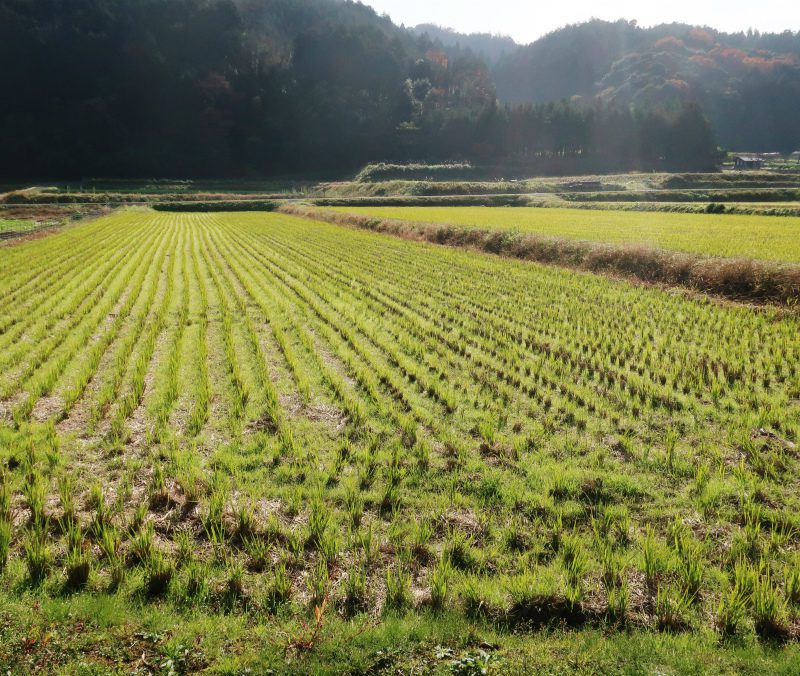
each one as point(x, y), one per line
point(249, 420)
point(771, 238)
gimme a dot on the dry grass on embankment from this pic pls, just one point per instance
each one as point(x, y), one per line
point(733, 278)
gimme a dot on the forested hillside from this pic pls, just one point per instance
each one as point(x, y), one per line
point(747, 84)
point(260, 87)
point(213, 87)
point(491, 48)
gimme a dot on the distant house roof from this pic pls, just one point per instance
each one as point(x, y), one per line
point(748, 158)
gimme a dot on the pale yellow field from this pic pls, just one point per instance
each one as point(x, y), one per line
point(774, 238)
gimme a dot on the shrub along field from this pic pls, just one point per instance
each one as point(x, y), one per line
point(773, 238)
point(249, 440)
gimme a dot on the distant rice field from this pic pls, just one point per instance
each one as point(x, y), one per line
point(774, 238)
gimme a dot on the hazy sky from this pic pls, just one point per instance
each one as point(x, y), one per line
point(525, 20)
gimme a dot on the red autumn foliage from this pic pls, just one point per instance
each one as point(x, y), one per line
point(440, 58)
point(700, 37)
point(670, 43)
point(705, 61)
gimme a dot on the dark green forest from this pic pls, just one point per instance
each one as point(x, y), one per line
point(202, 88)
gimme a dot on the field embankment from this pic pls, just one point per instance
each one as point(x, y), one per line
point(735, 278)
point(766, 193)
point(219, 205)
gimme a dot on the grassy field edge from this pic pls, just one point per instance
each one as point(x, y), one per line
point(113, 635)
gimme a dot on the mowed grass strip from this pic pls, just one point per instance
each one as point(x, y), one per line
point(290, 422)
point(770, 238)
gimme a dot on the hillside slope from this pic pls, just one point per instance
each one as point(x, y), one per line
point(491, 48)
point(748, 85)
point(222, 88)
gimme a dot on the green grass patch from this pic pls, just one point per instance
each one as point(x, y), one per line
point(17, 226)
